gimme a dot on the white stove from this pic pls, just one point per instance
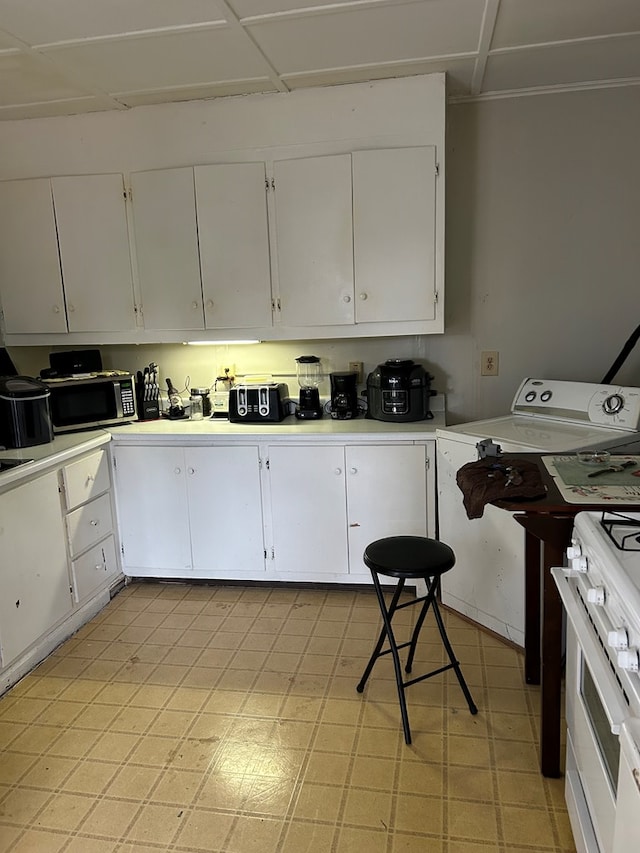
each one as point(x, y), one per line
point(546, 416)
point(600, 591)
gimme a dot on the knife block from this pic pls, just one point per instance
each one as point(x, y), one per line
point(148, 409)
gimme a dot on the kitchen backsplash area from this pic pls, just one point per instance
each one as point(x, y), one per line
point(191, 366)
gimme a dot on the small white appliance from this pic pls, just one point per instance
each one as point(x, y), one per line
point(546, 416)
point(600, 590)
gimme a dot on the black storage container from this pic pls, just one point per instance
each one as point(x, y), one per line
point(398, 391)
point(25, 412)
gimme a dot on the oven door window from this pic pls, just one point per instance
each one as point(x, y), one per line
point(83, 405)
point(608, 742)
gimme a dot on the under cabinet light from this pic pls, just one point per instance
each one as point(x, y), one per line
point(218, 343)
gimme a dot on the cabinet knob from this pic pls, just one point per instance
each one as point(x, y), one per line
point(364, 296)
point(177, 471)
point(209, 303)
point(98, 567)
point(354, 470)
point(338, 471)
point(71, 307)
point(195, 305)
point(56, 309)
point(346, 298)
point(94, 522)
point(192, 470)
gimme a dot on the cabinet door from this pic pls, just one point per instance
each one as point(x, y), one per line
point(225, 509)
point(314, 238)
point(34, 577)
point(308, 511)
point(30, 279)
point(234, 245)
point(394, 209)
point(94, 252)
point(386, 495)
point(166, 244)
point(153, 517)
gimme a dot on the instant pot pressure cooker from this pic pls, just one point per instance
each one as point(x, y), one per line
point(399, 391)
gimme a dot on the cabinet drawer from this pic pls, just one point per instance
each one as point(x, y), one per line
point(86, 478)
point(93, 569)
point(88, 524)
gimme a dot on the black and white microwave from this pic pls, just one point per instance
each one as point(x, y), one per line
point(98, 400)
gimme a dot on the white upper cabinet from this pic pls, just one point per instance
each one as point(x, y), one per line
point(30, 279)
point(233, 235)
point(94, 252)
point(314, 240)
point(394, 220)
point(166, 243)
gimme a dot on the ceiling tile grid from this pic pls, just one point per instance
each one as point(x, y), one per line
point(66, 56)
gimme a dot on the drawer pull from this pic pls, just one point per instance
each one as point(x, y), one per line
point(94, 522)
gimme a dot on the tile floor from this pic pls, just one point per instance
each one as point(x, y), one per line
point(197, 718)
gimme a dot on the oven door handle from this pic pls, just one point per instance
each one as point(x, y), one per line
point(603, 677)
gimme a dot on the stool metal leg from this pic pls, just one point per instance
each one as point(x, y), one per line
point(454, 661)
point(387, 632)
point(430, 597)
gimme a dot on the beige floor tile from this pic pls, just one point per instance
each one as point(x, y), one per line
point(39, 841)
point(254, 835)
point(213, 719)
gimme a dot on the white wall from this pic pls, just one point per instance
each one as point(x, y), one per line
point(543, 245)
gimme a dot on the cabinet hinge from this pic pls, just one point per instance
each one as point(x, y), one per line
point(128, 193)
point(115, 463)
point(275, 304)
point(426, 462)
point(436, 295)
point(265, 553)
point(267, 464)
point(437, 170)
point(122, 549)
point(273, 553)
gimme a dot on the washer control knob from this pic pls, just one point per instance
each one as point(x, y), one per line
point(580, 564)
point(574, 551)
point(596, 595)
point(546, 396)
point(613, 403)
point(530, 396)
point(618, 639)
point(628, 659)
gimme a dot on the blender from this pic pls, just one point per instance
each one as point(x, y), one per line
point(309, 377)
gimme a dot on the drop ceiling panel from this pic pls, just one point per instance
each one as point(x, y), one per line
point(459, 74)
point(524, 22)
point(253, 8)
point(45, 21)
point(370, 35)
point(572, 64)
point(24, 81)
point(157, 62)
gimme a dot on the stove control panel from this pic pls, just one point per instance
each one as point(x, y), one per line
point(612, 406)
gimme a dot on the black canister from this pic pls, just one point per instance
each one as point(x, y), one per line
point(25, 412)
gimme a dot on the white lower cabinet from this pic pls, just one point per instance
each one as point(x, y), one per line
point(329, 501)
point(34, 570)
point(190, 511)
point(59, 559)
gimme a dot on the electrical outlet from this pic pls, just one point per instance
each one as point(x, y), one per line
point(357, 367)
point(227, 366)
point(489, 363)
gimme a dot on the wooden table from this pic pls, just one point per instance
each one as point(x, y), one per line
point(548, 523)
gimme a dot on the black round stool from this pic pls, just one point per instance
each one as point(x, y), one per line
point(410, 558)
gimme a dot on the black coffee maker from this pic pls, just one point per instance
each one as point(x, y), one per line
point(344, 395)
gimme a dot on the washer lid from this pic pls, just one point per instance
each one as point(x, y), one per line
point(22, 387)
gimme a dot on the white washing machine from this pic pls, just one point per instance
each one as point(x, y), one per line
point(547, 416)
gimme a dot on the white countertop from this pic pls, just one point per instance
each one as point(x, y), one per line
point(63, 447)
point(44, 456)
point(291, 427)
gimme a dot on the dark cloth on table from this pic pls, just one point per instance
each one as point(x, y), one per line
point(486, 480)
